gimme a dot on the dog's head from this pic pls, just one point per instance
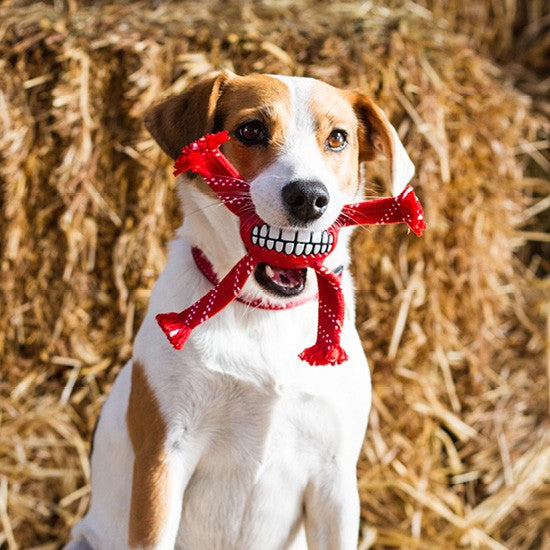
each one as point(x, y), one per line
point(297, 141)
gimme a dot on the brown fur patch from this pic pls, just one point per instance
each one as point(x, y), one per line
point(375, 137)
point(254, 97)
point(181, 119)
point(332, 110)
point(147, 431)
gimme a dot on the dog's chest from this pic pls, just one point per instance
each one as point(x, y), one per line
point(247, 489)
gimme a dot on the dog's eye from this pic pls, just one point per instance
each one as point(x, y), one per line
point(337, 140)
point(252, 132)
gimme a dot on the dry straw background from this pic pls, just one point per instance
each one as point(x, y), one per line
point(455, 324)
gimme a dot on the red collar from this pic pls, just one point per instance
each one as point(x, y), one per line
point(206, 268)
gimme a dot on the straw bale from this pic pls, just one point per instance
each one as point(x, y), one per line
point(455, 324)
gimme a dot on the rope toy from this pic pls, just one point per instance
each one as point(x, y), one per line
point(265, 243)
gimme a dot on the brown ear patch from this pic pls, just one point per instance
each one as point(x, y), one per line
point(375, 139)
point(180, 120)
point(147, 431)
point(378, 139)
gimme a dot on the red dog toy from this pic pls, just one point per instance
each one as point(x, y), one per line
point(204, 157)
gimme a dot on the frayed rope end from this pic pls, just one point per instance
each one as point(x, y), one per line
point(322, 355)
point(173, 326)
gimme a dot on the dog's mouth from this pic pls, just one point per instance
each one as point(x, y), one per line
point(290, 242)
point(279, 281)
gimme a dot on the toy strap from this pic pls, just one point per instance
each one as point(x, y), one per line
point(327, 349)
point(205, 159)
point(178, 326)
point(404, 208)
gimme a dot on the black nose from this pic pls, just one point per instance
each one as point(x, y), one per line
point(305, 200)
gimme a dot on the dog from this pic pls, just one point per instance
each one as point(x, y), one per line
point(233, 442)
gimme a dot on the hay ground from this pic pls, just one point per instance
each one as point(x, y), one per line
point(455, 324)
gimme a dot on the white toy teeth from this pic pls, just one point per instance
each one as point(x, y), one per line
point(290, 241)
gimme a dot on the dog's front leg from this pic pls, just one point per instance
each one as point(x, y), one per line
point(158, 486)
point(332, 512)
point(161, 470)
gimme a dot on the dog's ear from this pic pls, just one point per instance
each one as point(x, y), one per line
point(378, 139)
point(182, 119)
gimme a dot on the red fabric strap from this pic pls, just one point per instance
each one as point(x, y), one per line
point(404, 208)
point(330, 321)
point(178, 326)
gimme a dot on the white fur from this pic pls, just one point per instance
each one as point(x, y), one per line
point(262, 447)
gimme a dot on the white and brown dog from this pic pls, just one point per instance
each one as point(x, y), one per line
point(233, 442)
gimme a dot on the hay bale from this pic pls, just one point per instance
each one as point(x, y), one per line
point(457, 451)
